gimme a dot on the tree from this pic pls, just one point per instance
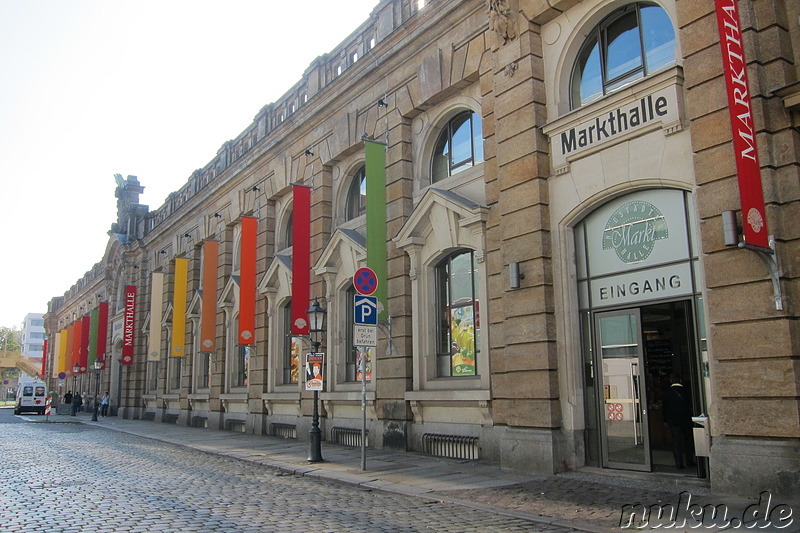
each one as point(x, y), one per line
point(10, 340)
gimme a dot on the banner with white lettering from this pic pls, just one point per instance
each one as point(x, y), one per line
point(128, 332)
point(748, 170)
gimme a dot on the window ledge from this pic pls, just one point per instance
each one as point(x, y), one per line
point(474, 395)
point(203, 397)
point(346, 396)
point(281, 396)
point(234, 397)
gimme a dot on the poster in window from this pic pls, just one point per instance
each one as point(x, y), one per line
point(294, 360)
point(365, 352)
point(462, 335)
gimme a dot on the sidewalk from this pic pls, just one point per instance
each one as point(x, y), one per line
point(589, 500)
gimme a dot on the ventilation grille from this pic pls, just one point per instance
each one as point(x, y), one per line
point(347, 437)
point(287, 431)
point(450, 446)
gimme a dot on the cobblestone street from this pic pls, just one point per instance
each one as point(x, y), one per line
point(74, 477)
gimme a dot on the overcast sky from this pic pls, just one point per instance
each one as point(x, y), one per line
point(150, 88)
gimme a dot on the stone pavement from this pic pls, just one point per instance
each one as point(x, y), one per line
point(588, 500)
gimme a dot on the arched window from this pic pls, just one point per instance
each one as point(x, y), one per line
point(460, 146)
point(458, 327)
point(631, 43)
point(357, 195)
point(287, 234)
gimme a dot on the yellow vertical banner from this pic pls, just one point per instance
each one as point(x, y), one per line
point(179, 307)
point(62, 351)
point(156, 310)
point(56, 354)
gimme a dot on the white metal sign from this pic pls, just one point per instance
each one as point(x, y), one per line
point(365, 335)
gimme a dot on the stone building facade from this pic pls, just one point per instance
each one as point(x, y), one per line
point(557, 177)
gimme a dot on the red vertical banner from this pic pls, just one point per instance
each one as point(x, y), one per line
point(43, 373)
point(128, 331)
point(70, 345)
point(247, 282)
point(86, 329)
point(77, 338)
point(208, 311)
point(748, 169)
point(102, 333)
point(301, 258)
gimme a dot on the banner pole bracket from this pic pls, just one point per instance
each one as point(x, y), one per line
point(770, 259)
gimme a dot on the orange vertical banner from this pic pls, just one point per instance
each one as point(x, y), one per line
point(247, 282)
point(208, 311)
point(179, 307)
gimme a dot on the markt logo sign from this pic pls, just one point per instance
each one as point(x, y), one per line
point(633, 229)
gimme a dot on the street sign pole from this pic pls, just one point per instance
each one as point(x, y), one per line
point(364, 410)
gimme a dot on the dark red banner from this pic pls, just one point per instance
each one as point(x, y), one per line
point(247, 282)
point(751, 194)
point(44, 360)
point(301, 258)
point(102, 333)
point(128, 331)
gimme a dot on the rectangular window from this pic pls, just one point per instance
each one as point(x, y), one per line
point(292, 346)
point(175, 368)
point(242, 365)
point(459, 322)
point(152, 376)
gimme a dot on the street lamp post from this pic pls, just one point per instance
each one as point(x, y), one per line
point(75, 369)
point(316, 318)
point(98, 365)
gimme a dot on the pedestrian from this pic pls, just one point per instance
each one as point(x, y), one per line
point(678, 419)
point(77, 402)
point(104, 404)
point(68, 398)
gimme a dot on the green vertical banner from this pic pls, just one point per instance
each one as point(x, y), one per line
point(375, 155)
point(93, 330)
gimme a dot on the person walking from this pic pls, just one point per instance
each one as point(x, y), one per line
point(77, 402)
point(678, 418)
point(104, 404)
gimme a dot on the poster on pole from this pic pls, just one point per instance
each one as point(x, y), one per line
point(314, 365)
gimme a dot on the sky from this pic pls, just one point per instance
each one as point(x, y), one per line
point(150, 88)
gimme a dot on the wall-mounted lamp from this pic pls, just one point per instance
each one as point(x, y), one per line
point(730, 230)
point(187, 235)
point(382, 103)
point(255, 189)
point(216, 215)
point(163, 252)
point(514, 275)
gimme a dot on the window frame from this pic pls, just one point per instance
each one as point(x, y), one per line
point(598, 37)
point(443, 146)
point(356, 202)
point(444, 307)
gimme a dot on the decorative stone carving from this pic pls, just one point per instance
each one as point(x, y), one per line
point(501, 20)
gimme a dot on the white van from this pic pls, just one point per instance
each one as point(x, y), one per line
point(31, 397)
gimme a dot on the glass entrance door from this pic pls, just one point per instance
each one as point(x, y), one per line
point(624, 432)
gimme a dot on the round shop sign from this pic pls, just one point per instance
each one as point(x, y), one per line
point(633, 229)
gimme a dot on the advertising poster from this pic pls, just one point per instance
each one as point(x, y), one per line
point(462, 334)
point(314, 366)
point(364, 352)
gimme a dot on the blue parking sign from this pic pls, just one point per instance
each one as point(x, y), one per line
point(366, 310)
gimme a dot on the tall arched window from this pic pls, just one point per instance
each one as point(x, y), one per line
point(357, 195)
point(292, 346)
point(458, 328)
point(460, 146)
point(631, 43)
